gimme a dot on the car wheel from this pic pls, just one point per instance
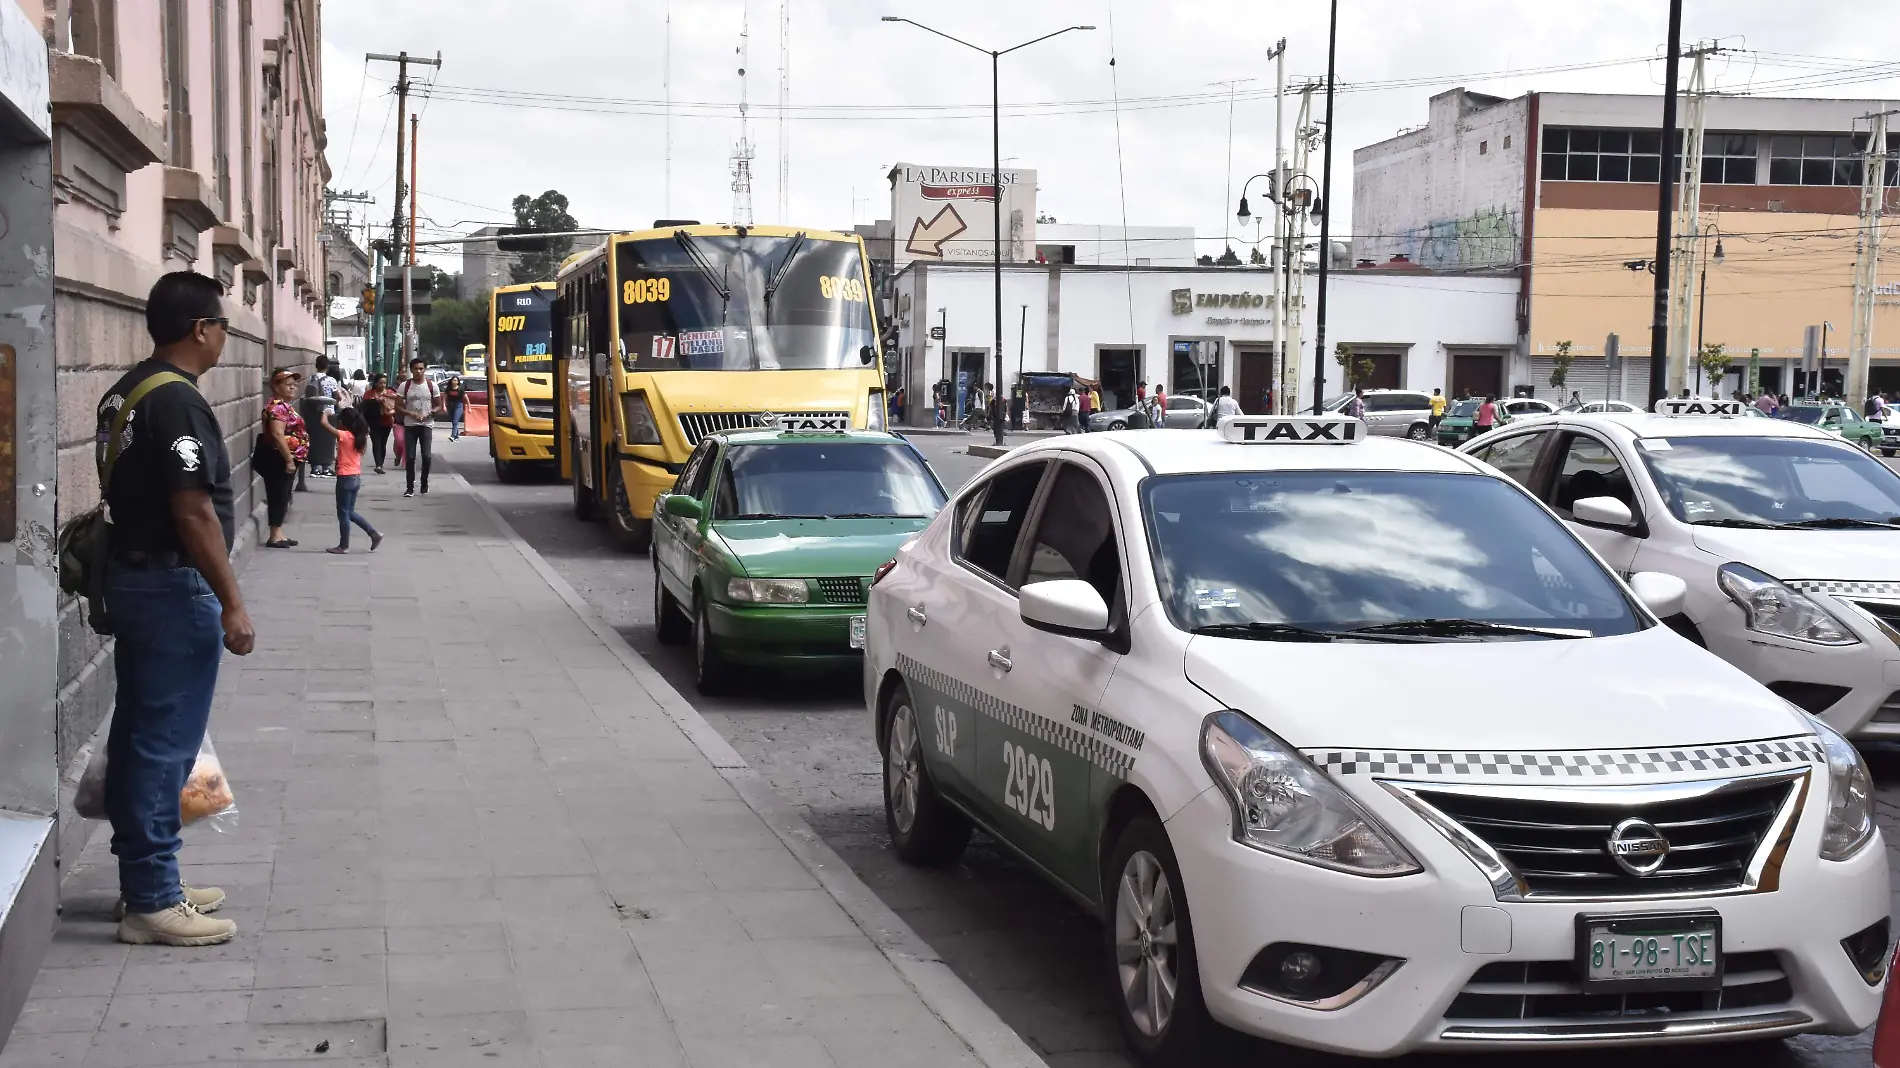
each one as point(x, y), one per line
point(1150, 950)
point(585, 507)
point(710, 672)
point(669, 620)
point(1417, 431)
point(1118, 424)
point(630, 535)
point(1886, 452)
point(504, 471)
point(924, 829)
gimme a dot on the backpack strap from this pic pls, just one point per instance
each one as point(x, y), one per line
point(124, 414)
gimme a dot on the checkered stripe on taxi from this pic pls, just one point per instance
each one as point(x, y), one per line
point(1845, 588)
point(1572, 765)
point(1061, 735)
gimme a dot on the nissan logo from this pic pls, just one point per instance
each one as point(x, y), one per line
point(1637, 847)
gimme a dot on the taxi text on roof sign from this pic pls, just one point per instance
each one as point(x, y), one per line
point(1292, 429)
point(1697, 406)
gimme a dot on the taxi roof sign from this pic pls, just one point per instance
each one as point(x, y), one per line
point(1697, 406)
point(1292, 429)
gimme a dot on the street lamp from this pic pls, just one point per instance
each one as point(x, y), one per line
point(996, 178)
point(1702, 299)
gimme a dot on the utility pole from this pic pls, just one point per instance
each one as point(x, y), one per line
point(402, 61)
point(1688, 237)
point(1873, 197)
point(1326, 220)
point(410, 340)
point(1227, 194)
point(1294, 207)
point(1277, 264)
point(1659, 316)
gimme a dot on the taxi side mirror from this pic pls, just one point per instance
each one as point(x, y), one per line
point(680, 506)
point(1660, 593)
point(1065, 606)
point(1603, 512)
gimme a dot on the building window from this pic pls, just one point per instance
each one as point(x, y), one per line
point(93, 29)
point(1822, 159)
point(221, 102)
point(1483, 147)
point(1584, 155)
point(177, 85)
point(1729, 158)
point(1507, 141)
point(247, 113)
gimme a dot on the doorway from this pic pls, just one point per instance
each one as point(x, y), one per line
point(1254, 378)
point(1477, 374)
point(971, 371)
point(1195, 366)
point(1118, 370)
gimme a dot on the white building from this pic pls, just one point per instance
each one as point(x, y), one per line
point(1088, 244)
point(1191, 327)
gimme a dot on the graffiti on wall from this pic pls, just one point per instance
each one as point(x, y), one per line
point(1485, 238)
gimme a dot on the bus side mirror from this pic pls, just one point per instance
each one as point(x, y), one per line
point(867, 355)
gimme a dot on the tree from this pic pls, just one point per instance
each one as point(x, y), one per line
point(1560, 365)
point(1713, 361)
point(545, 214)
point(1205, 260)
point(451, 324)
point(1358, 369)
point(1254, 257)
point(1228, 258)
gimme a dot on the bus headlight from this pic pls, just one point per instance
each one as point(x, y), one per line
point(874, 419)
point(768, 591)
point(500, 402)
point(637, 419)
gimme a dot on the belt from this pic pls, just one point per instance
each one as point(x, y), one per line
point(150, 560)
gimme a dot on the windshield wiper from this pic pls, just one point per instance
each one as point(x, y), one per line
point(1736, 524)
point(773, 515)
point(1266, 632)
point(705, 267)
point(1841, 523)
point(778, 275)
point(1453, 628)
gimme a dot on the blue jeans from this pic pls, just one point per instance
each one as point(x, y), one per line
point(170, 640)
point(455, 419)
point(347, 487)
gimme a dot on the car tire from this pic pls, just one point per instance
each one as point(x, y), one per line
point(710, 672)
point(1887, 453)
point(1149, 936)
point(1418, 431)
point(630, 534)
point(586, 508)
point(924, 829)
point(1118, 424)
point(670, 622)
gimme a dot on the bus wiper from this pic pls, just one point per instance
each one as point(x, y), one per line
point(1454, 628)
point(699, 259)
point(1841, 523)
point(778, 275)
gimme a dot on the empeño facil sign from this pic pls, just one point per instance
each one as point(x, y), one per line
point(1186, 300)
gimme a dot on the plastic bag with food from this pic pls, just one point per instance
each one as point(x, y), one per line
point(207, 793)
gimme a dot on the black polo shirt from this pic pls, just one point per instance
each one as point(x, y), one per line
point(172, 442)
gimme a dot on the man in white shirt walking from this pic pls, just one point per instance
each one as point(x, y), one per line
point(1225, 405)
point(420, 402)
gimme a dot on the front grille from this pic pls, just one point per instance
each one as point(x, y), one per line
point(539, 409)
point(1889, 710)
point(1561, 848)
point(1551, 990)
point(696, 425)
point(841, 590)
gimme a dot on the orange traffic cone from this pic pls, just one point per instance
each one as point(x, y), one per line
point(475, 420)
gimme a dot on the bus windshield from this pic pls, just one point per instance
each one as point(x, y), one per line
point(730, 303)
point(523, 328)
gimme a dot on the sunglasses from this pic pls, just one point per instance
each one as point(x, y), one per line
point(222, 320)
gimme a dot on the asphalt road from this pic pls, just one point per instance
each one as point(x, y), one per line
point(1025, 949)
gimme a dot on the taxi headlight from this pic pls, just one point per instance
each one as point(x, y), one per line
point(1850, 797)
point(1283, 804)
point(768, 591)
point(1774, 608)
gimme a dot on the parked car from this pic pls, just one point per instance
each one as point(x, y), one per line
point(474, 389)
point(1395, 412)
point(1839, 420)
point(1601, 407)
point(1184, 413)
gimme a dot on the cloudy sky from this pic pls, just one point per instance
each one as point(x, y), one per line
point(566, 94)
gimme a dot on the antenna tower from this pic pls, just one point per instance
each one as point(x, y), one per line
point(742, 152)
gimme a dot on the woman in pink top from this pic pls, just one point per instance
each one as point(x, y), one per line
point(1487, 416)
point(351, 438)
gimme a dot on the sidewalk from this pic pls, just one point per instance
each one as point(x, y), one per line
point(474, 832)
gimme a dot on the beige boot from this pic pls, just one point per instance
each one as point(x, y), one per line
point(205, 899)
point(180, 925)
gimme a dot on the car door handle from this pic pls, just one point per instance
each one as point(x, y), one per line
point(917, 616)
point(999, 658)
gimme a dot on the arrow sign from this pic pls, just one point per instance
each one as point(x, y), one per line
point(926, 239)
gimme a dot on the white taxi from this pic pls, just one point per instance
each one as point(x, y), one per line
point(1788, 539)
point(1208, 683)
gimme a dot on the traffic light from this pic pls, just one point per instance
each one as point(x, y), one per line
point(368, 304)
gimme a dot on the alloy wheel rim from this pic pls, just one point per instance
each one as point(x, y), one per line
point(1146, 943)
point(903, 760)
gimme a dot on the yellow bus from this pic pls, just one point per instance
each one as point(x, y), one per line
point(668, 335)
point(474, 360)
point(521, 378)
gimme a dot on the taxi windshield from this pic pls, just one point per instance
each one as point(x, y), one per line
point(848, 480)
point(1340, 551)
point(1772, 482)
point(752, 303)
point(1465, 409)
point(1803, 413)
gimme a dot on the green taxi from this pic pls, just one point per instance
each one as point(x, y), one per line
point(1838, 419)
point(1460, 422)
point(763, 552)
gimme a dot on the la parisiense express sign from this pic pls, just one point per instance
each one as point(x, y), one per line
point(946, 214)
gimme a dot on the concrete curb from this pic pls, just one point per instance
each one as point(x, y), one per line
point(989, 452)
point(991, 1040)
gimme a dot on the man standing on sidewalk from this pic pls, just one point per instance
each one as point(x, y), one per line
point(173, 600)
point(420, 402)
